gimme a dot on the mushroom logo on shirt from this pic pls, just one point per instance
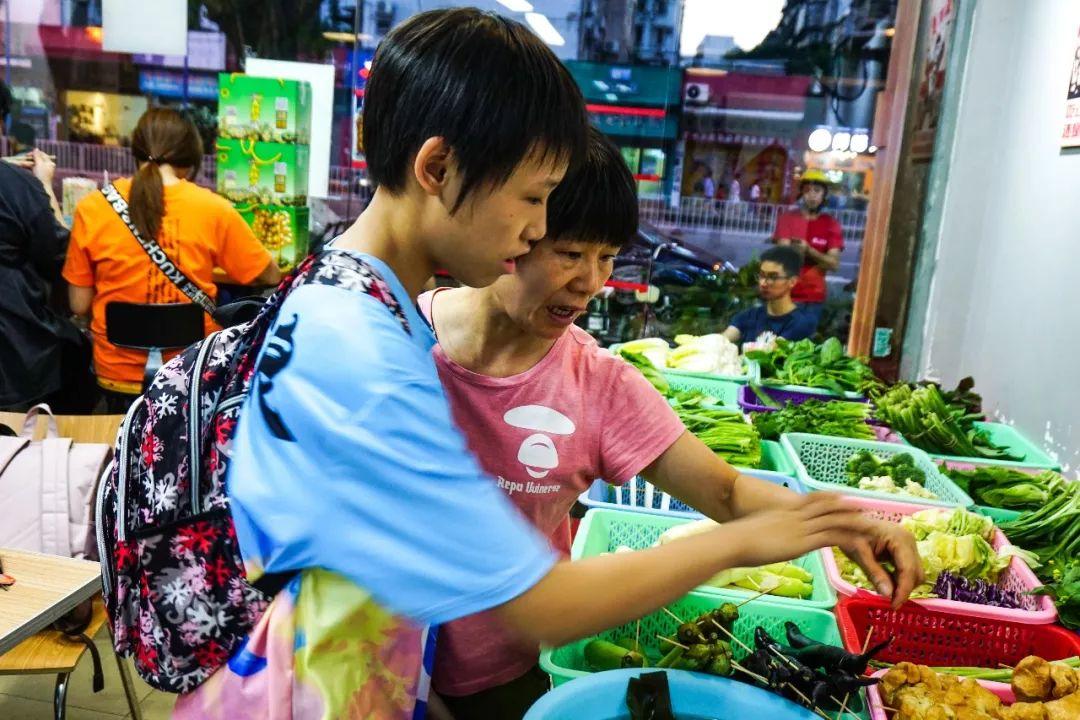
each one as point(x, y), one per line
point(537, 452)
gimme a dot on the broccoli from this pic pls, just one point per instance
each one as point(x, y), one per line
point(901, 468)
point(861, 465)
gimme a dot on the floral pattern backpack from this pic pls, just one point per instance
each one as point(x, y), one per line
point(173, 578)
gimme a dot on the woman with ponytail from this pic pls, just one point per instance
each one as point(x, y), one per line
point(197, 230)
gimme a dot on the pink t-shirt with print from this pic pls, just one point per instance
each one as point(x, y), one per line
point(545, 435)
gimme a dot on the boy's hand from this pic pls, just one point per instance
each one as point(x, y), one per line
point(888, 540)
point(809, 523)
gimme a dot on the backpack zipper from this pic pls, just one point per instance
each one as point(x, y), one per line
point(194, 416)
point(121, 481)
point(103, 552)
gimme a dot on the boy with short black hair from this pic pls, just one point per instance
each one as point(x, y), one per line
point(778, 315)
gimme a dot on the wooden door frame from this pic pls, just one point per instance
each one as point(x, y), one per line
point(893, 105)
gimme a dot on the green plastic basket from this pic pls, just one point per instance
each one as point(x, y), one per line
point(755, 377)
point(775, 458)
point(741, 379)
point(1013, 439)
point(726, 392)
point(568, 662)
point(998, 515)
point(603, 531)
point(821, 464)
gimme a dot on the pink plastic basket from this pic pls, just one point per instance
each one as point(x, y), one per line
point(1018, 577)
point(877, 707)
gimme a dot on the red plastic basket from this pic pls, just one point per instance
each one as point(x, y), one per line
point(937, 639)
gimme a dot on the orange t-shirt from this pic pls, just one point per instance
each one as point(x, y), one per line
point(200, 231)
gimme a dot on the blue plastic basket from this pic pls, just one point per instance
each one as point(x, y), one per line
point(639, 495)
point(602, 696)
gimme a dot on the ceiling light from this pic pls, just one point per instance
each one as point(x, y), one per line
point(820, 140)
point(516, 5)
point(543, 27)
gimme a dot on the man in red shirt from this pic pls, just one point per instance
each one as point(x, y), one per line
point(816, 235)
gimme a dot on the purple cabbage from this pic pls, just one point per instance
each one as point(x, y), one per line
point(950, 586)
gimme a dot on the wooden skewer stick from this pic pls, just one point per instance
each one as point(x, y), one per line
point(673, 642)
point(730, 635)
point(673, 615)
point(809, 703)
point(843, 706)
point(746, 672)
point(786, 659)
point(637, 635)
point(866, 644)
point(763, 592)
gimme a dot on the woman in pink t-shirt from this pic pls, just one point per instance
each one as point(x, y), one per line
point(546, 411)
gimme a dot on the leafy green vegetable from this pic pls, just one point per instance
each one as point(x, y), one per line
point(956, 522)
point(839, 419)
point(725, 432)
point(1052, 533)
point(923, 417)
point(1004, 487)
point(818, 366)
point(642, 363)
point(968, 555)
point(1065, 589)
point(901, 468)
point(765, 398)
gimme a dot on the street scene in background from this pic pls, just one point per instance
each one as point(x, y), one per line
point(539, 359)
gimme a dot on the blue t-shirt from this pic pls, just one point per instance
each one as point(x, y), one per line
point(378, 484)
point(346, 466)
point(796, 325)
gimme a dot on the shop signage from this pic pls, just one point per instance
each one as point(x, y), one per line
point(932, 77)
point(205, 51)
point(1070, 135)
point(627, 84)
point(167, 83)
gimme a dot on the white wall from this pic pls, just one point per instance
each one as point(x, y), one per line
point(1004, 300)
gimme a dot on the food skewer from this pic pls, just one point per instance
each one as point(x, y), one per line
point(734, 639)
point(755, 597)
point(746, 672)
point(673, 642)
point(866, 644)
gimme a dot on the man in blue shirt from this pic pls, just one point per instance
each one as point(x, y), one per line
point(778, 315)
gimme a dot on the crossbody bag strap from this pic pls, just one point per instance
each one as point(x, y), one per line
point(157, 255)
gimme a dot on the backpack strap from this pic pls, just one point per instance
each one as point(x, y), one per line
point(157, 255)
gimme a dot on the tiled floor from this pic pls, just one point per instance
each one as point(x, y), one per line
point(29, 697)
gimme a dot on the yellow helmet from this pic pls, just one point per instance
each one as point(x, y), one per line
point(814, 175)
